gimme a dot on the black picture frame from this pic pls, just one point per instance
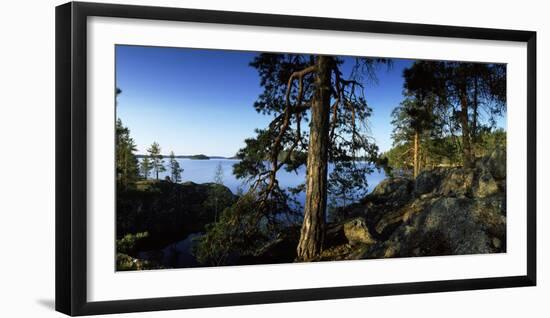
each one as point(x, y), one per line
point(71, 157)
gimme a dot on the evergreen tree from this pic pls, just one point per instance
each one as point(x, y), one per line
point(157, 161)
point(306, 89)
point(127, 171)
point(218, 174)
point(145, 167)
point(175, 170)
point(415, 120)
point(218, 189)
point(441, 100)
point(473, 87)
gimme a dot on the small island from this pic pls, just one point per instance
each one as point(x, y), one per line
point(192, 157)
point(198, 157)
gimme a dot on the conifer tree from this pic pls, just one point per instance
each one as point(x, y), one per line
point(310, 90)
point(145, 167)
point(127, 170)
point(175, 169)
point(157, 160)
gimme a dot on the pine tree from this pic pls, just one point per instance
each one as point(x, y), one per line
point(126, 161)
point(473, 87)
point(175, 169)
point(218, 189)
point(308, 89)
point(157, 161)
point(443, 99)
point(145, 167)
point(415, 119)
point(218, 174)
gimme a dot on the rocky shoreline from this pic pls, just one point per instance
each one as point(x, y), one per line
point(158, 213)
point(445, 211)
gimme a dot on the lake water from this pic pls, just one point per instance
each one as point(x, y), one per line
point(179, 254)
point(203, 171)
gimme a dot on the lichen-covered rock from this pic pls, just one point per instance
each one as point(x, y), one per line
point(395, 191)
point(427, 181)
point(452, 219)
point(385, 200)
point(458, 182)
point(450, 211)
point(390, 220)
point(448, 226)
point(486, 184)
point(496, 164)
point(356, 231)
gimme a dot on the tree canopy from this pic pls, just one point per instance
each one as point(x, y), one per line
point(447, 108)
point(301, 90)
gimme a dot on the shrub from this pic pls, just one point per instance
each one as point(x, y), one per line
point(128, 244)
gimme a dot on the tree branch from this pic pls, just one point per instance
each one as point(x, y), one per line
point(284, 125)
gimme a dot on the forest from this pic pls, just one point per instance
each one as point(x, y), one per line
point(444, 191)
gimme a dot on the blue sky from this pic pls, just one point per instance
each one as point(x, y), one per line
point(195, 101)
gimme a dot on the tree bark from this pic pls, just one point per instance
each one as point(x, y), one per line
point(466, 144)
point(313, 227)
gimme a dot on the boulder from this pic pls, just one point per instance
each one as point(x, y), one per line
point(486, 184)
point(357, 232)
point(458, 182)
point(427, 181)
point(452, 221)
point(448, 226)
point(496, 164)
point(395, 191)
point(388, 196)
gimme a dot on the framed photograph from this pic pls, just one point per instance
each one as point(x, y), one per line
point(209, 158)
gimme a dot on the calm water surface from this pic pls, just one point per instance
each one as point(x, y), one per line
point(179, 254)
point(203, 171)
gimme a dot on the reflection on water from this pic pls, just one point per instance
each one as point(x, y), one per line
point(177, 254)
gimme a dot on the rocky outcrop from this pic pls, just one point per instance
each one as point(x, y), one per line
point(392, 192)
point(169, 211)
point(445, 211)
point(447, 226)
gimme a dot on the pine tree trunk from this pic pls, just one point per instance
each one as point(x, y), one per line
point(313, 227)
point(466, 144)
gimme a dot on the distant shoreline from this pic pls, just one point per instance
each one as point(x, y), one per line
point(193, 157)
